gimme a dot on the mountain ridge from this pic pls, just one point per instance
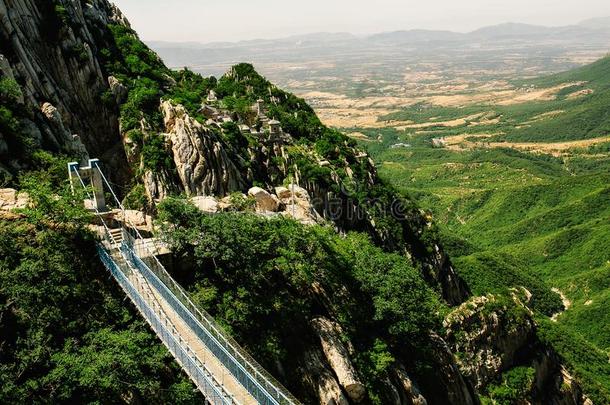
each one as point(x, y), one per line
point(497, 29)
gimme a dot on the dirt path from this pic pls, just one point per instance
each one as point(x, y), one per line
point(566, 304)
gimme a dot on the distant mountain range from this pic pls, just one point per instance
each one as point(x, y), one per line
point(596, 28)
point(515, 37)
point(600, 23)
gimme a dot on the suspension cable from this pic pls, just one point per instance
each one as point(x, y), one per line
point(109, 186)
point(125, 220)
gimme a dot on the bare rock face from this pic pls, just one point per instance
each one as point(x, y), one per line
point(299, 213)
point(297, 204)
point(440, 269)
point(321, 380)
point(116, 16)
point(72, 143)
point(11, 199)
point(118, 90)
point(283, 193)
point(566, 391)
point(206, 204)
point(391, 396)
point(408, 392)
point(553, 382)
point(449, 386)
point(337, 355)
point(55, 62)
point(8, 197)
point(135, 219)
point(265, 202)
point(488, 335)
point(202, 161)
point(157, 185)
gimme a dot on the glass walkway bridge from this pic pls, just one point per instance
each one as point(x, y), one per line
point(219, 367)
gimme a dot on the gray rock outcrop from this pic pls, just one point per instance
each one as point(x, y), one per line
point(265, 202)
point(487, 340)
point(206, 204)
point(408, 392)
point(118, 90)
point(54, 62)
point(493, 335)
point(456, 389)
point(157, 184)
point(338, 357)
point(321, 380)
point(202, 161)
point(11, 199)
point(297, 204)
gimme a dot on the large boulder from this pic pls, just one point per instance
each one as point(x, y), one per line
point(11, 199)
point(282, 193)
point(338, 357)
point(297, 204)
point(265, 201)
point(136, 218)
point(206, 204)
point(8, 196)
point(300, 213)
point(321, 380)
point(285, 194)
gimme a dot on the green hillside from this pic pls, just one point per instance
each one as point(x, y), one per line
point(512, 218)
point(586, 114)
point(597, 74)
point(579, 110)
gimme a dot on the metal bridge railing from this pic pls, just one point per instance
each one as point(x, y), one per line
point(252, 376)
point(262, 385)
point(204, 380)
point(244, 369)
point(212, 390)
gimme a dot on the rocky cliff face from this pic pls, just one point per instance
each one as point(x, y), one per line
point(202, 160)
point(208, 166)
point(491, 335)
point(49, 48)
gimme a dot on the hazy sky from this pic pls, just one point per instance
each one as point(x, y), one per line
point(232, 20)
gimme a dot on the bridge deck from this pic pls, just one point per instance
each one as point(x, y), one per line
point(220, 373)
point(223, 371)
point(229, 384)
